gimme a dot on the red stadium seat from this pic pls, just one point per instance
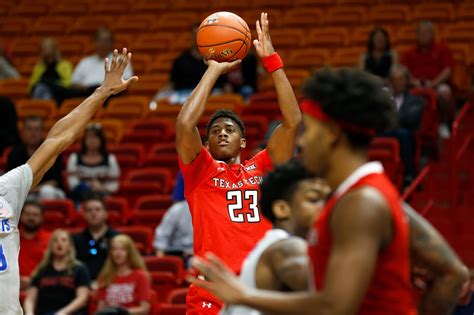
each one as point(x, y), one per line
point(301, 17)
point(43, 108)
point(393, 168)
point(163, 282)
point(465, 11)
point(436, 12)
point(167, 147)
point(127, 107)
point(156, 175)
point(134, 24)
point(428, 132)
point(287, 37)
point(117, 204)
point(177, 296)
point(49, 26)
point(172, 309)
point(154, 202)
point(345, 15)
point(177, 21)
point(133, 150)
point(54, 220)
point(309, 58)
point(328, 37)
point(150, 6)
point(168, 160)
point(389, 14)
point(27, 9)
point(15, 26)
point(160, 126)
point(149, 219)
point(15, 89)
point(347, 56)
point(141, 235)
point(171, 264)
point(132, 191)
point(63, 207)
point(87, 25)
point(70, 8)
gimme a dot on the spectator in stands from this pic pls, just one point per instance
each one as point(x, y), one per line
point(60, 283)
point(51, 184)
point(33, 240)
point(89, 73)
point(431, 65)
point(379, 57)
point(174, 235)
point(466, 304)
point(52, 74)
point(7, 71)
point(92, 244)
point(93, 169)
point(244, 77)
point(124, 283)
point(410, 111)
point(8, 124)
point(185, 75)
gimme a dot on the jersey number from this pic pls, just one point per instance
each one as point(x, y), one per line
point(3, 260)
point(235, 209)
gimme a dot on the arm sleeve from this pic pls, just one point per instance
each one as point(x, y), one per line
point(263, 161)
point(197, 171)
point(14, 187)
point(72, 178)
point(113, 184)
point(165, 230)
point(143, 287)
point(82, 277)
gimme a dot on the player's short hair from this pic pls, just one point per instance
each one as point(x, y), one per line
point(92, 196)
point(354, 97)
point(226, 113)
point(280, 184)
point(34, 203)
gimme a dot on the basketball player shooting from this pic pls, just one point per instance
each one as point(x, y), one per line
point(362, 243)
point(223, 192)
point(291, 199)
point(15, 184)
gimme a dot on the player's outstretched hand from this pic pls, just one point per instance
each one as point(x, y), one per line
point(113, 80)
point(222, 67)
point(263, 44)
point(221, 281)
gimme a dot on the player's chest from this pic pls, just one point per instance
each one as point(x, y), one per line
point(224, 179)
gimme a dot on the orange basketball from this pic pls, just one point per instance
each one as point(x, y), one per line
point(223, 36)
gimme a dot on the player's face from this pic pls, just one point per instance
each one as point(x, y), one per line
point(307, 203)
point(61, 245)
point(119, 253)
point(314, 146)
point(31, 218)
point(94, 213)
point(225, 141)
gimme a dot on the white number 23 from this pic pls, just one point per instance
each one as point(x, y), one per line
point(235, 209)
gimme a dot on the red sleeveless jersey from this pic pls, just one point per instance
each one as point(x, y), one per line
point(390, 290)
point(223, 200)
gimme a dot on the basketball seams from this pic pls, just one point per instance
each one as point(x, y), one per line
point(231, 41)
point(219, 25)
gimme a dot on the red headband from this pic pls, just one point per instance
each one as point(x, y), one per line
point(313, 109)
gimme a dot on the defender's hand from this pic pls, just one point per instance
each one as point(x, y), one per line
point(264, 43)
point(113, 80)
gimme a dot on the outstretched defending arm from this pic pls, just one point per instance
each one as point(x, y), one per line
point(188, 141)
point(446, 274)
point(281, 144)
point(68, 129)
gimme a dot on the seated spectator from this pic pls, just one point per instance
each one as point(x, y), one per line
point(174, 235)
point(7, 71)
point(93, 169)
point(244, 77)
point(410, 112)
point(92, 244)
point(431, 65)
point(379, 57)
point(60, 283)
point(51, 184)
point(52, 75)
point(9, 135)
point(89, 72)
point(466, 304)
point(186, 72)
point(33, 240)
point(124, 283)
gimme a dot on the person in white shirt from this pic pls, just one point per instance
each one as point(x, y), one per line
point(290, 199)
point(89, 72)
point(15, 184)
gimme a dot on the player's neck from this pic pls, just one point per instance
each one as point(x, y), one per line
point(343, 165)
point(234, 160)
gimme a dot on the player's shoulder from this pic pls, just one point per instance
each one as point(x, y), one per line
point(290, 246)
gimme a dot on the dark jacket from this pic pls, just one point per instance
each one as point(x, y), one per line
point(411, 112)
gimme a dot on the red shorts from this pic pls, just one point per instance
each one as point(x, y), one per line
point(201, 302)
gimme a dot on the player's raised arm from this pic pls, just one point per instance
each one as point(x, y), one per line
point(188, 141)
point(281, 144)
point(446, 274)
point(68, 129)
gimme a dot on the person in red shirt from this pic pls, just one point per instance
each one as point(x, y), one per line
point(431, 65)
point(222, 191)
point(360, 245)
point(124, 282)
point(33, 240)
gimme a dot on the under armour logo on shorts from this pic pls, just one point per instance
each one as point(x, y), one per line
point(208, 305)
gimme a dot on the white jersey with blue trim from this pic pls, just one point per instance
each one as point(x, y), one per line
point(14, 188)
point(249, 269)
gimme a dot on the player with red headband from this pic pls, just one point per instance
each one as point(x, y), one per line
point(222, 191)
point(360, 246)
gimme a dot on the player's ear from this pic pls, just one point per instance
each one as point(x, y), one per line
point(243, 143)
point(334, 133)
point(281, 209)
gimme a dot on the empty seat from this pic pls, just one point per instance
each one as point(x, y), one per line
point(389, 14)
point(459, 32)
point(177, 21)
point(153, 202)
point(149, 219)
point(178, 296)
point(347, 57)
point(345, 15)
point(153, 175)
point(171, 264)
point(134, 150)
point(134, 24)
point(436, 12)
point(328, 37)
point(49, 26)
point(309, 58)
point(173, 309)
point(117, 204)
point(127, 107)
point(142, 235)
point(15, 26)
point(160, 126)
point(70, 8)
point(27, 9)
point(87, 25)
point(163, 282)
point(63, 207)
point(32, 107)
point(302, 17)
point(15, 89)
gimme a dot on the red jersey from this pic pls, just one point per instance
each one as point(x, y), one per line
point(32, 251)
point(427, 65)
point(390, 290)
point(223, 200)
point(127, 291)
